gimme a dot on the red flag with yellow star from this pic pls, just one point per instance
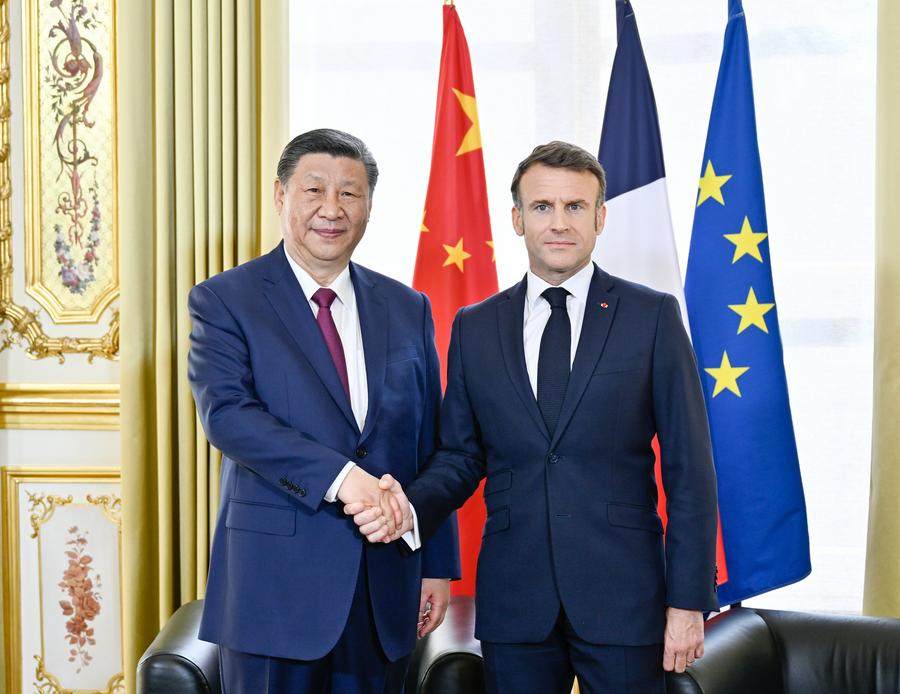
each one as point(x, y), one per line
point(455, 261)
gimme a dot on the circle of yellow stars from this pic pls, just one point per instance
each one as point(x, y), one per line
point(752, 312)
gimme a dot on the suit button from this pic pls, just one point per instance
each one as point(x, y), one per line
point(553, 458)
point(361, 452)
point(301, 491)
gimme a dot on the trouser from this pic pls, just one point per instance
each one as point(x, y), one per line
point(356, 665)
point(549, 667)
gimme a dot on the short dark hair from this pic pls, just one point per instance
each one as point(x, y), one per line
point(560, 155)
point(326, 141)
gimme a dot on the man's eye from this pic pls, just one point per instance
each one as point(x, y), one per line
point(347, 194)
point(312, 190)
point(542, 207)
point(575, 206)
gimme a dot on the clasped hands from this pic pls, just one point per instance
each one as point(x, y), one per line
point(382, 512)
point(379, 507)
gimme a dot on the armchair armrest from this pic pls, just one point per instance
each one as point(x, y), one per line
point(740, 657)
point(177, 661)
point(449, 659)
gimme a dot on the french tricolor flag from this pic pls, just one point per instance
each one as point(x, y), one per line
point(638, 243)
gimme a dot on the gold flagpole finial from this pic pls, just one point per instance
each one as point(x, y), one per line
point(448, 2)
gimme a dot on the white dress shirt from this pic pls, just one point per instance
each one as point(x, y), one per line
point(346, 320)
point(537, 313)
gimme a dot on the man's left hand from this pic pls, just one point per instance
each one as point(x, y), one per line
point(433, 605)
point(684, 638)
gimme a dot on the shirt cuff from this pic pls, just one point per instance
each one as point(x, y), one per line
point(331, 494)
point(411, 537)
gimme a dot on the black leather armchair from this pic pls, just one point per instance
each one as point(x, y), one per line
point(774, 652)
point(445, 662)
point(747, 652)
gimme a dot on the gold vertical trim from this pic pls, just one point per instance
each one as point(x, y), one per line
point(11, 612)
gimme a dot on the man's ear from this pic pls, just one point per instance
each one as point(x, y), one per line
point(600, 221)
point(517, 221)
point(278, 195)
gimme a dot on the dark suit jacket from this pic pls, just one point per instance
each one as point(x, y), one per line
point(572, 518)
point(284, 563)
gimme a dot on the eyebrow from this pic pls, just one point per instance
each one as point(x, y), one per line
point(321, 179)
point(551, 202)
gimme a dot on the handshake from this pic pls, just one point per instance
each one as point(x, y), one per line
point(379, 507)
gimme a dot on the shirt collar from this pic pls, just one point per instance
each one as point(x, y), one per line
point(577, 285)
point(342, 285)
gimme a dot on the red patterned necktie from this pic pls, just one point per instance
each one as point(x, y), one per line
point(323, 298)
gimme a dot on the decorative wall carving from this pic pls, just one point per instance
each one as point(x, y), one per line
point(62, 547)
point(70, 235)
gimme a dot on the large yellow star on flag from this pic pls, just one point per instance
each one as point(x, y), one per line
point(493, 252)
point(711, 185)
point(472, 139)
point(752, 313)
point(747, 242)
point(424, 228)
point(726, 376)
point(456, 255)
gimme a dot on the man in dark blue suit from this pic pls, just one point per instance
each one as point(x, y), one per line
point(556, 388)
point(315, 377)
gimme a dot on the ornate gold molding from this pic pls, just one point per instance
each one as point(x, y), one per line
point(48, 683)
point(69, 119)
point(24, 328)
point(41, 508)
point(111, 505)
point(59, 406)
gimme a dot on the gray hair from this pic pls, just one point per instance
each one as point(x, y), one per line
point(327, 141)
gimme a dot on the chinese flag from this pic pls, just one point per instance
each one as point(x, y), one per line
point(455, 260)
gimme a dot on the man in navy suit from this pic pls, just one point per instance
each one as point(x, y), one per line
point(555, 390)
point(315, 377)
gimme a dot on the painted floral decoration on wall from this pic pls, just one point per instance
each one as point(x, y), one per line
point(82, 586)
point(74, 75)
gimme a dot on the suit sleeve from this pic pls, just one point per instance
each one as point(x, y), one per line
point(458, 465)
point(440, 554)
point(236, 421)
point(687, 466)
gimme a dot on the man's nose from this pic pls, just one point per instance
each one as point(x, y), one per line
point(559, 222)
point(331, 206)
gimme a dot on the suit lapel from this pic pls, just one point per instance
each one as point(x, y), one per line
point(373, 322)
point(292, 308)
point(599, 311)
point(510, 316)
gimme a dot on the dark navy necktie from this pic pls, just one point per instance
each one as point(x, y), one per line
point(554, 358)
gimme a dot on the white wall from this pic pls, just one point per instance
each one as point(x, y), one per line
point(541, 72)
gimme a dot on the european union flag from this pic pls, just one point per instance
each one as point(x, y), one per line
point(734, 324)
